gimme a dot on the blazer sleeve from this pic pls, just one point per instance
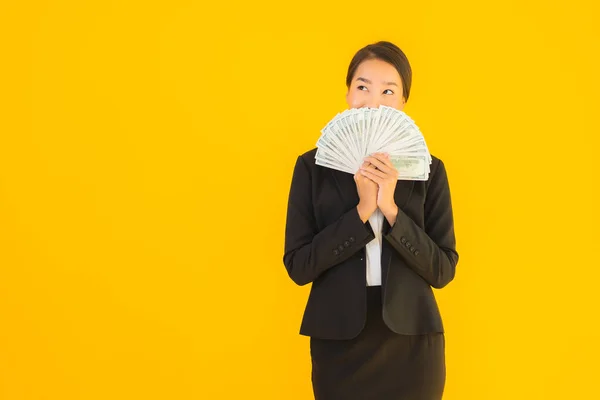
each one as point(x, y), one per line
point(431, 252)
point(309, 252)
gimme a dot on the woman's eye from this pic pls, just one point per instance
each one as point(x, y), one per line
point(360, 87)
point(389, 90)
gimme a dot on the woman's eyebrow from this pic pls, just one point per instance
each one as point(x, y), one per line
point(360, 78)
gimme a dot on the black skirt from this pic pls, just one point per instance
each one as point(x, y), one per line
point(379, 364)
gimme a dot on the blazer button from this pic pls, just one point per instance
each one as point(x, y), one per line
point(412, 248)
point(403, 240)
point(351, 239)
point(341, 248)
point(347, 243)
point(407, 244)
point(336, 252)
point(416, 252)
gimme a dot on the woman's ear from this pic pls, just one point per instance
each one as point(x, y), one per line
point(402, 104)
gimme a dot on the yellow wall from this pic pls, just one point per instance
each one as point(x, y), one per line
point(146, 150)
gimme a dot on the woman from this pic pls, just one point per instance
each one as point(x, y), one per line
point(373, 247)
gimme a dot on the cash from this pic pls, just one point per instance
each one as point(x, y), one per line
point(359, 132)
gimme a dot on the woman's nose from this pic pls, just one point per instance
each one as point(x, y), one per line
point(372, 103)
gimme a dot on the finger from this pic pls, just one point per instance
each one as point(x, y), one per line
point(365, 164)
point(378, 163)
point(387, 161)
point(372, 176)
point(389, 173)
point(376, 171)
point(359, 176)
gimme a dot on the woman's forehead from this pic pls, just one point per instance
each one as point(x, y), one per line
point(377, 71)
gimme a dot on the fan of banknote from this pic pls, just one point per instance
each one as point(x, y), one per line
point(359, 132)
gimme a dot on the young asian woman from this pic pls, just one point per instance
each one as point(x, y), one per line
point(373, 248)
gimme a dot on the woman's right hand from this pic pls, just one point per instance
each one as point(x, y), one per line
point(367, 193)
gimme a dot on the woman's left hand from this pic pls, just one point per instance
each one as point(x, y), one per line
point(382, 171)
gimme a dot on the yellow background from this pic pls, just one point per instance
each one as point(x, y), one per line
point(146, 151)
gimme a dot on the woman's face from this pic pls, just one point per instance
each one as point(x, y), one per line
point(375, 83)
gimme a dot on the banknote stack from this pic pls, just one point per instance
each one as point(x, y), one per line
point(359, 132)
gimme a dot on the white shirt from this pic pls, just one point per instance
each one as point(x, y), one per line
point(373, 250)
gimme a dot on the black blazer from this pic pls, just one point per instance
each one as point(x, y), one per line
point(325, 244)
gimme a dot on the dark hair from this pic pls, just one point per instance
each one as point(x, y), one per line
point(384, 51)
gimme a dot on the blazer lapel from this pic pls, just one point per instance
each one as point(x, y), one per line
point(402, 193)
point(347, 191)
point(401, 196)
point(346, 187)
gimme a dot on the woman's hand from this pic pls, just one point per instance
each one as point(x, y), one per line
point(367, 192)
point(379, 169)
